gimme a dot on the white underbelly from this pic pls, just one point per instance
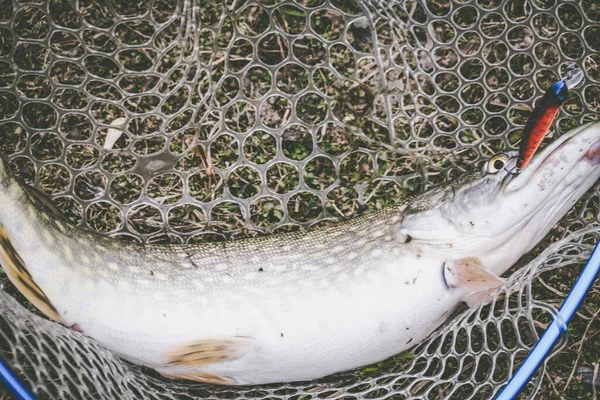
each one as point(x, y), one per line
point(296, 335)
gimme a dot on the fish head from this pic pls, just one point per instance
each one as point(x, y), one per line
point(497, 214)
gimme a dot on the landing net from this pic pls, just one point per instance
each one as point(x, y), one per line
point(190, 121)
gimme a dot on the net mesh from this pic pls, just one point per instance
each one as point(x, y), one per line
point(196, 120)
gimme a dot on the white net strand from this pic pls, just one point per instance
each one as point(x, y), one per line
point(193, 120)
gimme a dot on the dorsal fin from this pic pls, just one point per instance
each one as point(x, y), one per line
point(17, 272)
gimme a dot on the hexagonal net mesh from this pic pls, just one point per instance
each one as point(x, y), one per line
point(200, 120)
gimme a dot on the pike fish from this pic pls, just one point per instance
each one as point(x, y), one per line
point(295, 306)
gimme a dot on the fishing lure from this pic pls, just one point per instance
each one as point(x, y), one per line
point(543, 115)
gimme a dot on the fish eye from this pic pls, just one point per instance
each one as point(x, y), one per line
point(496, 163)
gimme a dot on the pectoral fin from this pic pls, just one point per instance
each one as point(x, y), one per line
point(469, 275)
point(208, 351)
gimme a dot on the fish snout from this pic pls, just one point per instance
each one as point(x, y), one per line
point(572, 158)
point(581, 144)
point(586, 139)
point(575, 163)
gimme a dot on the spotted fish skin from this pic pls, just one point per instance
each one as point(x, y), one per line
point(293, 306)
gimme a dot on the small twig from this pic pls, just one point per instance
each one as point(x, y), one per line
point(206, 160)
point(550, 288)
point(549, 378)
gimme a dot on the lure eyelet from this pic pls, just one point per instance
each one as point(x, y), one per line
point(513, 172)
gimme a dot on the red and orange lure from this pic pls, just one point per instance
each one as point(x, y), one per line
point(543, 115)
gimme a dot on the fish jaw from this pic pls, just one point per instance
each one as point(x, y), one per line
point(546, 190)
point(554, 183)
point(499, 217)
point(570, 156)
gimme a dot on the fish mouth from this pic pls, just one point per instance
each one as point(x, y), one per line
point(593, 153)
point(582, 143)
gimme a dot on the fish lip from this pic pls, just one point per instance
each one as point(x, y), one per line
point(592, 154)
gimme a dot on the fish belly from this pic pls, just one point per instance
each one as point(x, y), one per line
point(294, 335)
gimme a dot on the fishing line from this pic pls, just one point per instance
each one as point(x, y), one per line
point(558, 327)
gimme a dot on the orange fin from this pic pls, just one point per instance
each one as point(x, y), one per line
point(197, 376)
point(475, 299)
point(472, 277)
point(17, 272)
point(208, 351)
